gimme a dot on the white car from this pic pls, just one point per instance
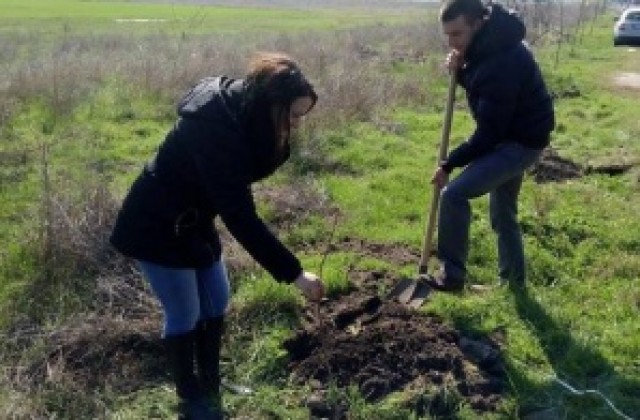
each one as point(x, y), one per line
point(626, 30)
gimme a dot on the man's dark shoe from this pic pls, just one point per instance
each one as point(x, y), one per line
point(444, 283)
point(198, 409)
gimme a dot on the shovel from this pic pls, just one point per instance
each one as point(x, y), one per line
point(413, 292)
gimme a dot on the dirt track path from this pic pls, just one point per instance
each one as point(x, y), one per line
point(629, 79)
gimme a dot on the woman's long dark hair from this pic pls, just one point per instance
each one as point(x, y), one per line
point(274, 81)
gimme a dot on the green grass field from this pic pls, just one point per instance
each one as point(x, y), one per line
point(578, 323)
point(58, 16)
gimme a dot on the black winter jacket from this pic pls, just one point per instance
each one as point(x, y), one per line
point(505, 91)
point(203, 169)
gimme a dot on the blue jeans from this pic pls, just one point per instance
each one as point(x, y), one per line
point(188, 295)
point(500, 174)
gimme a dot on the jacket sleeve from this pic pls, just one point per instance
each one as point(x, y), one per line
point(493, 91)
point(238, 213)
point(221, 165)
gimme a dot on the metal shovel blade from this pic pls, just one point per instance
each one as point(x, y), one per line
point(409, 292)
point(402, 291)
point(420, 294)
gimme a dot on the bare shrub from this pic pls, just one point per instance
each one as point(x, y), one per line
point(78, 268)
point(76, 253)
point(549, 21)
point(86, 323)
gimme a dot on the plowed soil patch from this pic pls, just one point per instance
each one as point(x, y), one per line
point(381, 347)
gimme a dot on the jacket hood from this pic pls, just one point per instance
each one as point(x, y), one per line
point(226, 103)
point(214, 98)
point(502, 31)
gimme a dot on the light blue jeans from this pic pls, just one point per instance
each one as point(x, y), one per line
point(188, 295)
point(500, 174)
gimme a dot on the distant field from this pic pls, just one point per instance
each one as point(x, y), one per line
point(72, 15)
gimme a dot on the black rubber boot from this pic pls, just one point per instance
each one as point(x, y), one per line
point(194, 404)
point(208, 342)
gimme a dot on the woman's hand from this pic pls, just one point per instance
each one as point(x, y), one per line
point(310, 285)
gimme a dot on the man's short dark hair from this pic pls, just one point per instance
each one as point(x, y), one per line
point(472, 10)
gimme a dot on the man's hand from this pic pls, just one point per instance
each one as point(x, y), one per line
point(310, 285)
point(454, 61)
point(440, 178)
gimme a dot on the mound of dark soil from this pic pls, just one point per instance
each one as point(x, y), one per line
point(553, 168)
point(382, 347)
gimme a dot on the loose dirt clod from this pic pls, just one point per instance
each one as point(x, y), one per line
point(552, 167)
point(383, 347)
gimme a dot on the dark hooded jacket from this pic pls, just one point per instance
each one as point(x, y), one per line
point(505, 91)
point(203, 169)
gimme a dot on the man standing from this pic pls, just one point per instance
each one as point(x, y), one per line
point(514, 118)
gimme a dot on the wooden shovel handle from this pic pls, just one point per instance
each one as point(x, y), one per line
point(427, 245)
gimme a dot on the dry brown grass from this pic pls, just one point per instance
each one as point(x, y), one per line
point(82, 324)
point(351, 68)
